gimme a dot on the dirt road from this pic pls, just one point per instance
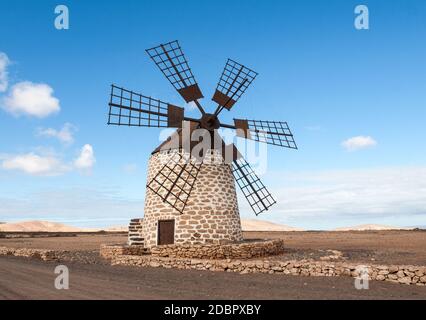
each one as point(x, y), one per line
point(30, 279)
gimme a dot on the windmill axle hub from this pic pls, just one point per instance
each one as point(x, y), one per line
point(209, 122)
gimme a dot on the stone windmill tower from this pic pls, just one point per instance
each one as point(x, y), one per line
point(190, 195)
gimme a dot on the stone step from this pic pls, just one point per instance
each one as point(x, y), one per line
point(135, 234)
point(136, 243)
point(137, 239)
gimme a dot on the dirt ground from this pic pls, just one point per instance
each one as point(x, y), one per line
point(376, 247)
point(22, 278)
point(69, 241)
point(93, 278)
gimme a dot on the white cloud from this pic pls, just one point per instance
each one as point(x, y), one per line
point(359, 143)
point(86, 159)
point(32, 99)
point(4, 76)
point(311, 200)
point(64, 135)
point(34, 164)
point(45, 162)
point(337, 198)
point(83, 206)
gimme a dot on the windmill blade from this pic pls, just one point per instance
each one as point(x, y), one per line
point(253, 189)
point(127, 108)
point(171, 60)
point(271, 132)
point(175, 181)
point(234, 81)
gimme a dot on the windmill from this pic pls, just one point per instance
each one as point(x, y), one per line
point(173, 180)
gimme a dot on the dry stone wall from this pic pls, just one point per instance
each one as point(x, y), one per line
point(211, 214)
point(41, 254)
point(216, 251)
point(409, 275)
point(111, 251)
point(245, 250)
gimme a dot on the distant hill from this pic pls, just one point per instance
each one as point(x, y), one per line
point(420, 227)
point(116, 229)
point(39, 226)
point(247, 225)
point(261, 225)
point(367, 227)
point(46, 226)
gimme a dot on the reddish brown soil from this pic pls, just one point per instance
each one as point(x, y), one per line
point(32, 279)
point(93, 278)
point(378, 247)
point(387, 247)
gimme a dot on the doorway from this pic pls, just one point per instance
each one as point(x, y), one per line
point(166, 232)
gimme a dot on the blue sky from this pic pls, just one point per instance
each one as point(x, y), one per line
point(330, 81)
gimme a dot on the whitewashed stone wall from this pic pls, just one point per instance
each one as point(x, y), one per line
point(211, 214)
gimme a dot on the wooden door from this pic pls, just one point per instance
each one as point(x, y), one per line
point(166, 232)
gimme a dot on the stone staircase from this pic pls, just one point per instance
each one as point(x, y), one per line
point(135, 237)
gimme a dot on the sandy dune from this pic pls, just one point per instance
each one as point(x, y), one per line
point(116, 229)
point(261, 225)
point(38, 226)
point(367, 227)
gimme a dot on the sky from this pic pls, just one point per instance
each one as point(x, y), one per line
point(354, 99)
